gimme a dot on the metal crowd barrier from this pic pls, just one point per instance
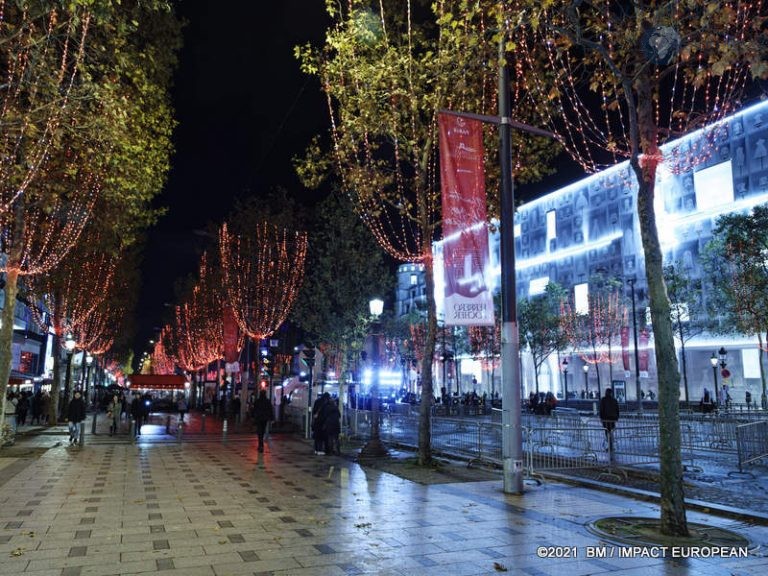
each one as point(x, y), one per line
point(751, 442)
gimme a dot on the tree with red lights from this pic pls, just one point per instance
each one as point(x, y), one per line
point(262, 273)
point(72, 294)
point(387, 71)
point(593, 332)
point(616, 80)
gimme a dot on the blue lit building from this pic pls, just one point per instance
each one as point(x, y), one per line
point(570, 234)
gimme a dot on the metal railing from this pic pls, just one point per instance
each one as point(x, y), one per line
point(751, 442)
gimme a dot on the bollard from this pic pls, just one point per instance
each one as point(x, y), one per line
point(168, 424)
point(93, 423)
point(179, 431)
point(202, 425)
point(224, 431)
point(81, 439)
point(132, 430)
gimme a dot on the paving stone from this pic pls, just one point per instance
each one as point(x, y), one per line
point(248, 555)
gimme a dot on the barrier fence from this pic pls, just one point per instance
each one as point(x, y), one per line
point(752, 442)
point(568, 441)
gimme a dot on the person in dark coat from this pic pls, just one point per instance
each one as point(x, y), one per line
point(37, 407)
point(262, 415)
point(22, 408)
point(75, 415)
point(332, 426)
point(609, 411)
point(609, 415)
point(137, 413)
point(318, 424)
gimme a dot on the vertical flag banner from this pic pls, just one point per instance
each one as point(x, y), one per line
point(643, 340)
point(625, 347)
point(231, 334)
point(468, 295)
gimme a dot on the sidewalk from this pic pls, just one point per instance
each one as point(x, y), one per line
point(219, 508)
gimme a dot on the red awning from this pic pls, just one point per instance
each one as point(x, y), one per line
point(157, 382)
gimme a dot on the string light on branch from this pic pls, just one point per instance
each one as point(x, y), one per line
point(262, 273)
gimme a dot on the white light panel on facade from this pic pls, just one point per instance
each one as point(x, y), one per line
point(714, 186)
point(581, 298)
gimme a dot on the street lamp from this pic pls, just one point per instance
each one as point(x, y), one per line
point(565, 379)
point(722, 355)
point(69, 346)
point(88, 362)
point(309, 361)
point(631, 283)
point(586, 380)
point(375, 448)
point(713, 360)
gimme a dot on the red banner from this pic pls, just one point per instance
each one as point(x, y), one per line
point(625, 346)
point(231, 334)
point(643, 350)
point(468, 297)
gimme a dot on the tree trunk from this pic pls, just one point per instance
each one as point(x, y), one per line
point(762, 352)
point(53, 406)
point(427, 393)
point(6, 335)
point(673, 518)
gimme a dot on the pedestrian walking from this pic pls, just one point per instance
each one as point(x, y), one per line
point(182, 407)
point(235, 406)
point(46, 408)
point(22, 407)
point(748, 398)
point(10, 415)
point(318, 424)
point(706, 402)
point(609, 415)
point(332, 426)
point(36, 408)
point(75, 415)
point(137, 413)
point(113, 414)
point(262, 416)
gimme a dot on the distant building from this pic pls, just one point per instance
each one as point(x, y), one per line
point(566, 236)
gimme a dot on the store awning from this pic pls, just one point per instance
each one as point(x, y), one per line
point(157, 382)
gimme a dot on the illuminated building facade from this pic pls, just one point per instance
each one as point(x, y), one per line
point(591, 226)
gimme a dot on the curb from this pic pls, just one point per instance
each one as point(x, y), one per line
point(646, 495)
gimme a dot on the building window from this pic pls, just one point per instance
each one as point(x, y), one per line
point(581, 298)
point(538, 286)
point(414, 279)
point(714, 187)
point(551, 225)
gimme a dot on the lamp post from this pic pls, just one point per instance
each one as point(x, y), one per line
point(586, 380)
point(565, 379)
point(309, 361)
point(69, 346)
point(88, 361)
point(631, 283)
point(722, 355)
point(713, 360)
point(375, 448)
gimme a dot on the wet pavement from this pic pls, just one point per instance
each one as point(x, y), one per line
point(213, 505)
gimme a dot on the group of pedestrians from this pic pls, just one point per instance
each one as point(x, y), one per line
point(326, 425)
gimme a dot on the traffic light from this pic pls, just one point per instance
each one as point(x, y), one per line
point(263, 384)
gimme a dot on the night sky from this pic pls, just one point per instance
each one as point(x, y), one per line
point(244, 110)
